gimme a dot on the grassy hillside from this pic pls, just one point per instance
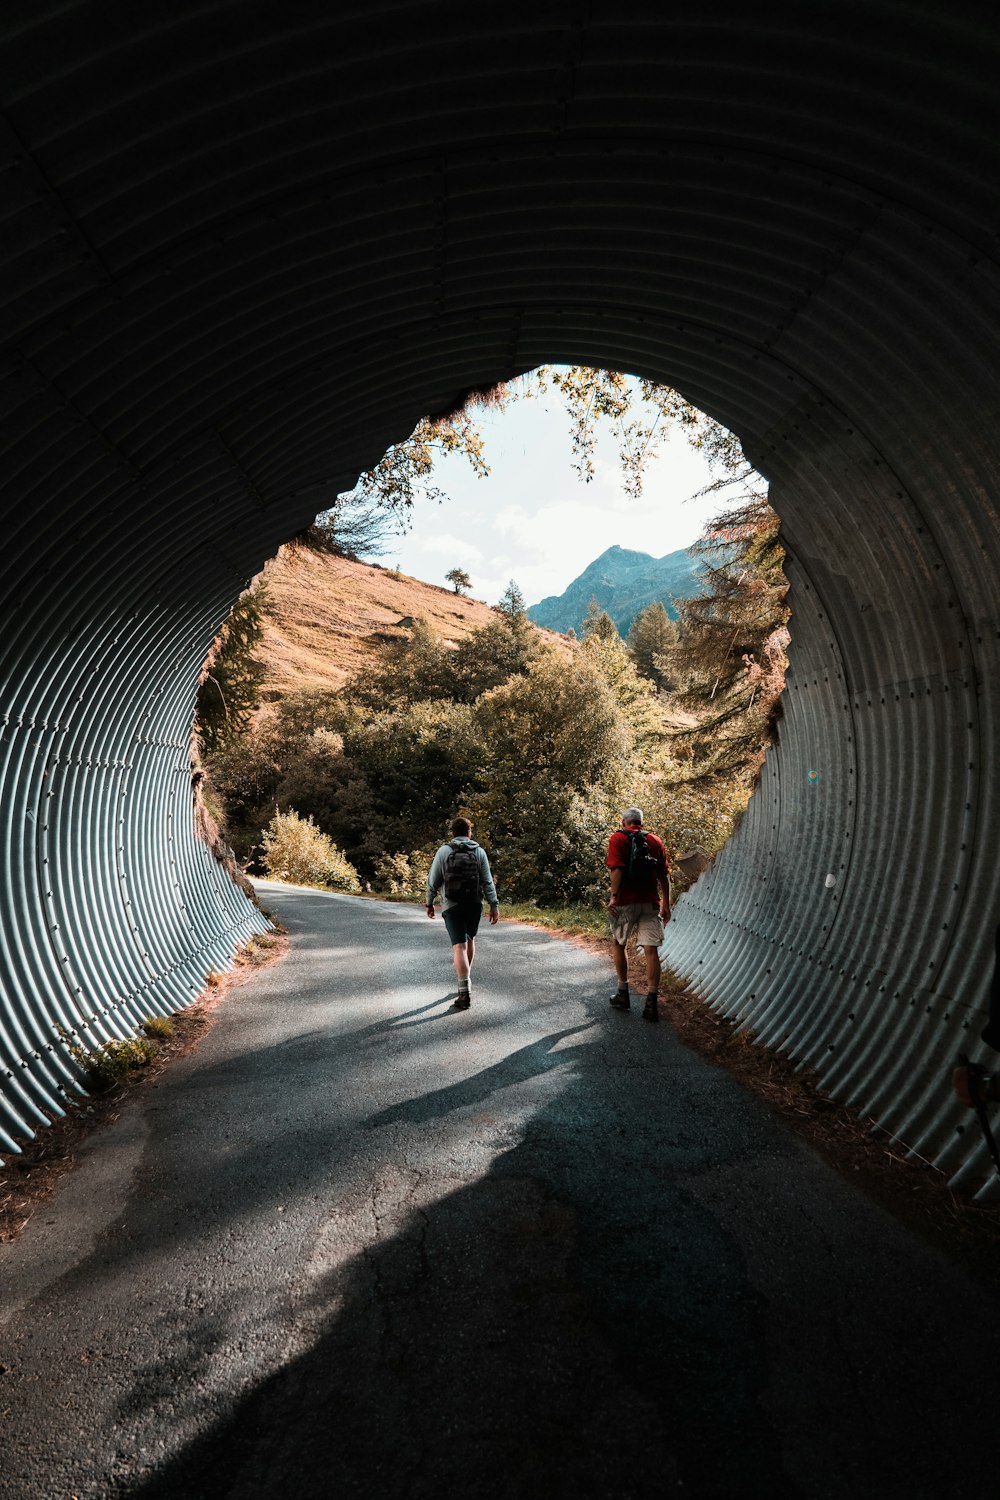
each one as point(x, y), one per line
point(327, 615)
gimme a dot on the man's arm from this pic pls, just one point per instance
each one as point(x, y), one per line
point(617, 876)
point(663, 881)
point(488, 887)
point(434, 877)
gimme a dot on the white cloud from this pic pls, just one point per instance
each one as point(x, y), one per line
point(457, 549)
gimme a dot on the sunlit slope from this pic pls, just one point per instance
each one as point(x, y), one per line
point(327, 616)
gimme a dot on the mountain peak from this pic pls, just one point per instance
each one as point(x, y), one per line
point(623, 582)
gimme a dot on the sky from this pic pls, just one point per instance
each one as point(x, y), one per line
point(534, 520)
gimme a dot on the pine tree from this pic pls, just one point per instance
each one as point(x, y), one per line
point(512, 602)
point(731, 648)
point(652, 636)
point(598, 622)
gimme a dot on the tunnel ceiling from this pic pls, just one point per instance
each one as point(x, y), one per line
point(246, 245)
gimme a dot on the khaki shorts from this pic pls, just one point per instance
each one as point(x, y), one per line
point(642, 917)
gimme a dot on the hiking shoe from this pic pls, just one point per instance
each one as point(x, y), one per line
point(649, 1010)
point(621, 1000)
point(463, 1000)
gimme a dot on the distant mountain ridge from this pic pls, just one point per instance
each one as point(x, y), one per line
point(623, 583)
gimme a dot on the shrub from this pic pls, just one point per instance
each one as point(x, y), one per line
point(296, 850)
point(403, 874)
point(112, 1063)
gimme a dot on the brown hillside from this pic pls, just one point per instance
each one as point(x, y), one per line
point(326, 615)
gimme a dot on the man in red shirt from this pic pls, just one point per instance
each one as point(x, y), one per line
point(640, 903)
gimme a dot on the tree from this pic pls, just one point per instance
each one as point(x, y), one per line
point(354, 526)
point(499, 650)
point(730, 652)
point(406, 466)
point(512, 602)
point(412, 669)
point(459, 579)
point(598, 622)
point(633, 693)
point(641, 412)
point(651, 637)
point(398, 780)
point(230, 688)
point(556, 749)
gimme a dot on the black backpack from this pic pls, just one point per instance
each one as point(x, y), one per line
point(461, 875)
point(644, 864)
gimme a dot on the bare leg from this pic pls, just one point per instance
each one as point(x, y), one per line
point(652, 969)
point(621, 963)
point(460, 953)
point(470, 953)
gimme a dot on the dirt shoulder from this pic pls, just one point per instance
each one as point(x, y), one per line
point(26, 1181)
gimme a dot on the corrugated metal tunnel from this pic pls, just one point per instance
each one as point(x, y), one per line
point(245, 246)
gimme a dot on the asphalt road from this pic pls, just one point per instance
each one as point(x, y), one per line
point(362, 1245)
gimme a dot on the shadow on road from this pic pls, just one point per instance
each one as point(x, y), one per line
point(517, 1067)
point(625, 1280)
point(550, 1329)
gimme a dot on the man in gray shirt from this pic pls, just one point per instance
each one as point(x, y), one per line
point(461, 867)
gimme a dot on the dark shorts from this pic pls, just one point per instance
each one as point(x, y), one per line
point(462, 922)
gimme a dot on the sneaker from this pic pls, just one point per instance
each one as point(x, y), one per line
point(463, 1000)
point(621, 1000)
point(650, 1011)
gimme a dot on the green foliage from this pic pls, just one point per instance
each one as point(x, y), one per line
point(597, 622)
point(246, 772)
point(302, 713)
point(503, 648)
point(689, 814)
point(582, 921)
point(403, 874)
point(730, 654)
point(401, 778)
point(297, 851)
point(111, 1064)
point(409, 670)
point(633, 694)
point(512, 602)
point(641, 413)
point(556, 751)
point(230, 691)
point(652, 636)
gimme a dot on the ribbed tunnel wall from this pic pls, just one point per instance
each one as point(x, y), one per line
point(246, 245)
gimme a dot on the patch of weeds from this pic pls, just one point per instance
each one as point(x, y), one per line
point(213, 979)
point(575, 921)
point(111, 1064)
point(259, 949)
point(159, 1027)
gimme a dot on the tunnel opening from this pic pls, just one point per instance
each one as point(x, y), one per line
point(566, 471)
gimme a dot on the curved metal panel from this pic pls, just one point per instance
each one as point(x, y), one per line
point(245, 248)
